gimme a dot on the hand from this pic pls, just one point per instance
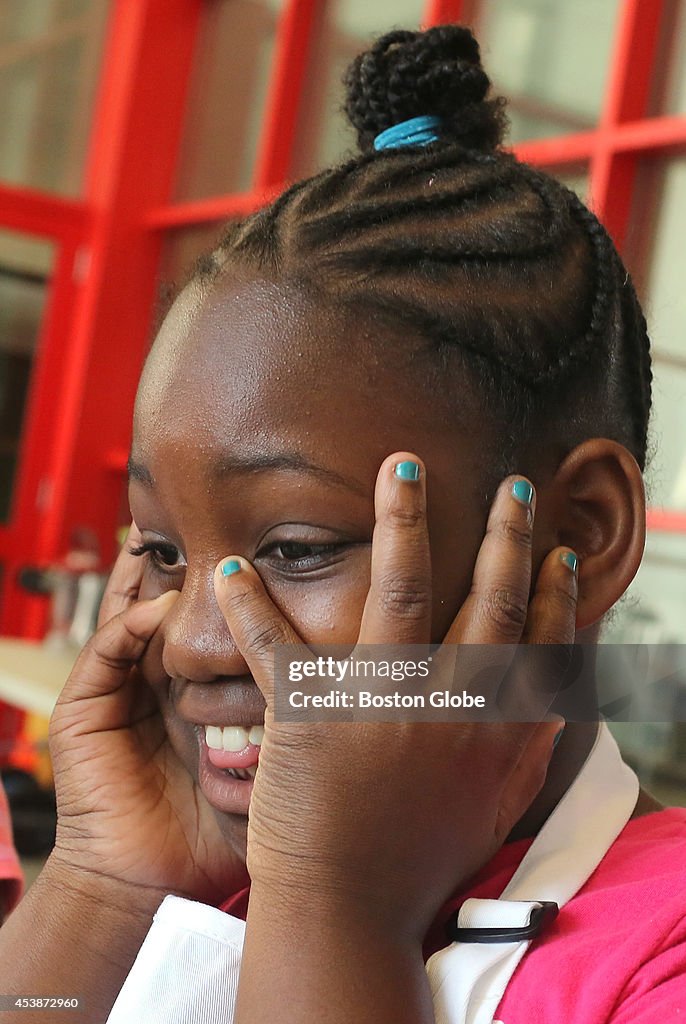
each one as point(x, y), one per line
point(394, 816)
point(127, 807)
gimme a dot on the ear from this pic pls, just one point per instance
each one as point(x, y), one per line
point(595, 504)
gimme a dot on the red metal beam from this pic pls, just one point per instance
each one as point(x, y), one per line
point(655, 133)
point(665, 521)
point(137, 127)
point(294, 38)
point(39, 213)
point(204, 211)
point(446, 12)
point(45, 403)
point(628, 88)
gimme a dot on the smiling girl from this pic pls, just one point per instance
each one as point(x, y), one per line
point(405, 403)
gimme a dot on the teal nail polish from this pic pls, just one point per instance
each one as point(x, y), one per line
point(230, 567)
point(407, 470)
point(558, 737)
point(570, 560)
point(523, 491)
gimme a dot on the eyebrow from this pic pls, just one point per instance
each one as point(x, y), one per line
point(229, 464)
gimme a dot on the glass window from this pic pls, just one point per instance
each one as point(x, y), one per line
point(666, 475)
point(25, 265)
point(228, 92)
point(50, 53)
point(654, 612)
point(550, 59)
point(655, 255)
point(574, 177)
point(668, 93)
point(657, 243)
point(323, 134)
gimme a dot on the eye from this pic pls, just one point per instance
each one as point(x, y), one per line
point(163, 559)
point(297, 557)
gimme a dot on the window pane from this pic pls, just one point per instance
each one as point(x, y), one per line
point(666, 476)
point(654, 611)
point(657, 236)
point(348, 26)
point(25, 265)
point(227, 97)
point(50, 52)
point(575, 178)
point(669, 80)
point(550, 59)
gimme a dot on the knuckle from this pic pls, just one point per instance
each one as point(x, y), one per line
point(108, 651)
point(236, 601)
point(516, 533)
point(564, 601)
point(550, 637)
point(261, 636)
point(405, 517)
point(505, 609)
point(406, 597)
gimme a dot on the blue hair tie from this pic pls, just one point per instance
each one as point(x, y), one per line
point(418, 131)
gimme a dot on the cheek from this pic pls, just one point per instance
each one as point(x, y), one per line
point(328, 612)
point(453, 562)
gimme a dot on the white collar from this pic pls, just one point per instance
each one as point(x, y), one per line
point(468, 979)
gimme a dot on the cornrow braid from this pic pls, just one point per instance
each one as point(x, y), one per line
point(487, 260)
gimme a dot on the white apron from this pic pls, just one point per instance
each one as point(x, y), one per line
point(187, 969)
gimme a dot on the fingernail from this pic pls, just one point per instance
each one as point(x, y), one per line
point(407, 470)
point(523, 491)
point(558, 737)
point(570, 560)
point(231, 566)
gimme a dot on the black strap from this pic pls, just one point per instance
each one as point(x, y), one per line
point(540, 918)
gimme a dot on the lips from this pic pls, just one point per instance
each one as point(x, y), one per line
point(226, 702)
point(227, 716)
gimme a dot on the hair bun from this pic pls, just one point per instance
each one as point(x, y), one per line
point(437, 72)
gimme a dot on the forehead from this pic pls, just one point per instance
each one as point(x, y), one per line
point(259, 365)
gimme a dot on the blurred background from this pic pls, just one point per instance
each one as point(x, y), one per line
point(132, 130)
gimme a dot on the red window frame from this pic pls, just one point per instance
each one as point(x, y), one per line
point(104, 287)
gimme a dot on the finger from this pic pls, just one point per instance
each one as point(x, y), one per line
point(544, 655)
point(495, 611)
point(398, 605)
point(254, 621)
point(106, 660)
point(552, 609)
point(125, 579)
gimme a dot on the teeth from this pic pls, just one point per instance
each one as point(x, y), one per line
point(256, 735)
point(233, 737)
point(213, 737)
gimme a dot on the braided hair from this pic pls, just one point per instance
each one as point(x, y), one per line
point(494, 267)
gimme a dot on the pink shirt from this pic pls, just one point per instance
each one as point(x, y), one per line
point(617, 952)
point(11, 878)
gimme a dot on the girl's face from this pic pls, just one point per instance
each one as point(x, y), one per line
point(261, 423)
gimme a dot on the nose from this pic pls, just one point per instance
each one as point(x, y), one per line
point(197, 644)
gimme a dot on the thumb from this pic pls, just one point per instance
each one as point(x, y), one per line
point(104, 666)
